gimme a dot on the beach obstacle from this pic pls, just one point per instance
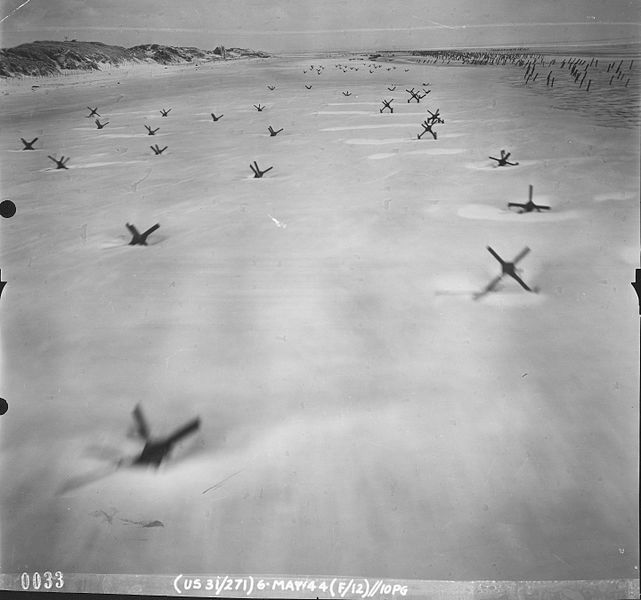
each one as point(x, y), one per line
point(157, 449)
point(28, 145)
point(272, 132)
point(216, 118)
point(271, 87)
point(151, 131)
point(414, 95)
point(347, 93)
point(259, 108)
point(309, 87)
point(507, 268)
point(503, 161)
point(93, 112)
point(158, 150)
point(61, 163)
point(528, 206)
point(427, 128)
point(387, 104)
point(140, 239)
point(100, 125)
point(165, 112)
point(436, 117)
point(391, 89)
point(258, 173)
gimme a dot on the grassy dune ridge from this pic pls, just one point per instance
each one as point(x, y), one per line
point(52, 57)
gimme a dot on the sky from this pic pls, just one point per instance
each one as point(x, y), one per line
point(312, 25)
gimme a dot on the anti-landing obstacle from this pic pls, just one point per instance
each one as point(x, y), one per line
point(387, 104)
point(416, 95)
point(216, 118)
point(140, 239)
point(528, 206)
point(28, 145)
point(272, 132)
point(503, 161)
point(165, 112)
point(258, 173)
point(100, 125)
point(507, 268)
point(436, 117)
point(151, 131)
point(93, 113)
point(427, 128)
point(259, 108)
point(158, 150)
point(61, 163)
point(156, 450)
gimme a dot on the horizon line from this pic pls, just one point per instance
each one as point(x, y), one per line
point(436, 26)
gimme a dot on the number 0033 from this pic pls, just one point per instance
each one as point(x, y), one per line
point(46, 581)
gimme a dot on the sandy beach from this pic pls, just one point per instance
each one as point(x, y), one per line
point(362, 414)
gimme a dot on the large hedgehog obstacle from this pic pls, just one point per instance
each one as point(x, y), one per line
point(528, 206)
point(93, 112)
point(347, 93)
point(391, 89)
point(309, 87)
point(100, 125)
point(436, 116)
point(61, 163)
point(157, 449)
point(137, 238)
point(507, 268)
point(416, 95)
point(216, 118)
point(503, 161)
point(151, 131)
point(427, 128)
point(259, 107)
point(271, 87)
point(165, 112)
point(387, 104)
point(158, 150)
point(258, 173)
point(273, 132)
point(28, 145)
